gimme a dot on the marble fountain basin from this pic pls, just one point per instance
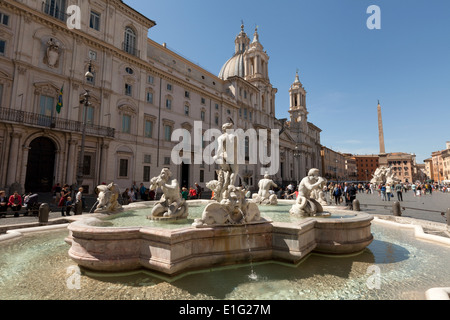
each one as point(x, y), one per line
point(96, 245)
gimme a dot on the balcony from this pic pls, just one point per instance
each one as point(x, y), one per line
point(131, 50)
point(38, 120)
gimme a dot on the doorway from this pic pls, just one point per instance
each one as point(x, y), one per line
point(40, 165)
point(185, 175)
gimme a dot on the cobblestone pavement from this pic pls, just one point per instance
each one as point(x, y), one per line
point(437, 201)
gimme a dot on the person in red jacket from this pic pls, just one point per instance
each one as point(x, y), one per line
point(15, 202)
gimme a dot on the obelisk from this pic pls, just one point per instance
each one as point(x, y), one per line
point(382, 156)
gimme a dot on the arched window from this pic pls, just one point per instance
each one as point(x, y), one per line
point(129, 44)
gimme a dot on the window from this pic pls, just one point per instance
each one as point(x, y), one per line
point(2, 47)
point(167, 132)
point(4, 19)
point(148, 128)
point(46, 105)
point(1, 94)
point(129, 44)
point(129, 70)
point(216, 120)
point(94, 22)
point(202, 115)
point(150, 79)
point(55, 8)
point(168, 103)
point(89, 114)
point(128, 89)
point(123, 168)
point(146, 177)
point(166, 160)
point(126, 123)
point(203, 100)
point(87, 165)
point(186, 94)
point(186, 110)
point(202, 175)
point(150, 97)
point(92, 55)
point(169, 87)
point(147, 158)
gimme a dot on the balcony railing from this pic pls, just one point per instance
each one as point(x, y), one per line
point(131, 50)
point(39, 120)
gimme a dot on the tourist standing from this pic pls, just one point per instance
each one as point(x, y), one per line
point(337, 194)
point(351, 195)
point(56, 193)
point(63, 199)
point(184, 193)
point(413, 188)
point(79, 202)
point(399, 189)
point(69, 206)
point(388, 191)
point(199, 190)
point(383, 192)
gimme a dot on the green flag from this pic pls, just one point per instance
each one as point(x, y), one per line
point(59, 105)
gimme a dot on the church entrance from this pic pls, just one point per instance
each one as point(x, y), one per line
point(40, 166)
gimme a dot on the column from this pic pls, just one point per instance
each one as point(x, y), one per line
point(13, 158)
point(71, 163)
point(103, 168)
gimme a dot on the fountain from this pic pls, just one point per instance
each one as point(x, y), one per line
point(228, 232)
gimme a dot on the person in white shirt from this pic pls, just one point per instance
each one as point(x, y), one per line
point(79, 202)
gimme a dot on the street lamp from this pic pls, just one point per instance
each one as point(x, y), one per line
point(336, 169)
point(85, 101)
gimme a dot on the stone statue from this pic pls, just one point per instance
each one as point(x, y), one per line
point(229, 168)
point(171, 205)
point(263, 196)
point(306, 205)
point(230, 206)
point(52, 53)
point(235, 209)
point(108, 198)
point(319, 193)
point(384, 175)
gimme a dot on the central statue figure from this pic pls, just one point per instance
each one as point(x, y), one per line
point(227, 160)
point(230, 207)
point(305, 205)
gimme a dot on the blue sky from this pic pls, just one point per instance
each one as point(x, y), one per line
point(345, 67)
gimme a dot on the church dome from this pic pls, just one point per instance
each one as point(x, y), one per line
point(233, 67)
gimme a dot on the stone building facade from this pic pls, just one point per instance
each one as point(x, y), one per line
point(139, 94)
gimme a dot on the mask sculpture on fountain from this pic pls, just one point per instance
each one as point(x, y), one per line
point(306, 205)
point(171, 205)
point(108, 198)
